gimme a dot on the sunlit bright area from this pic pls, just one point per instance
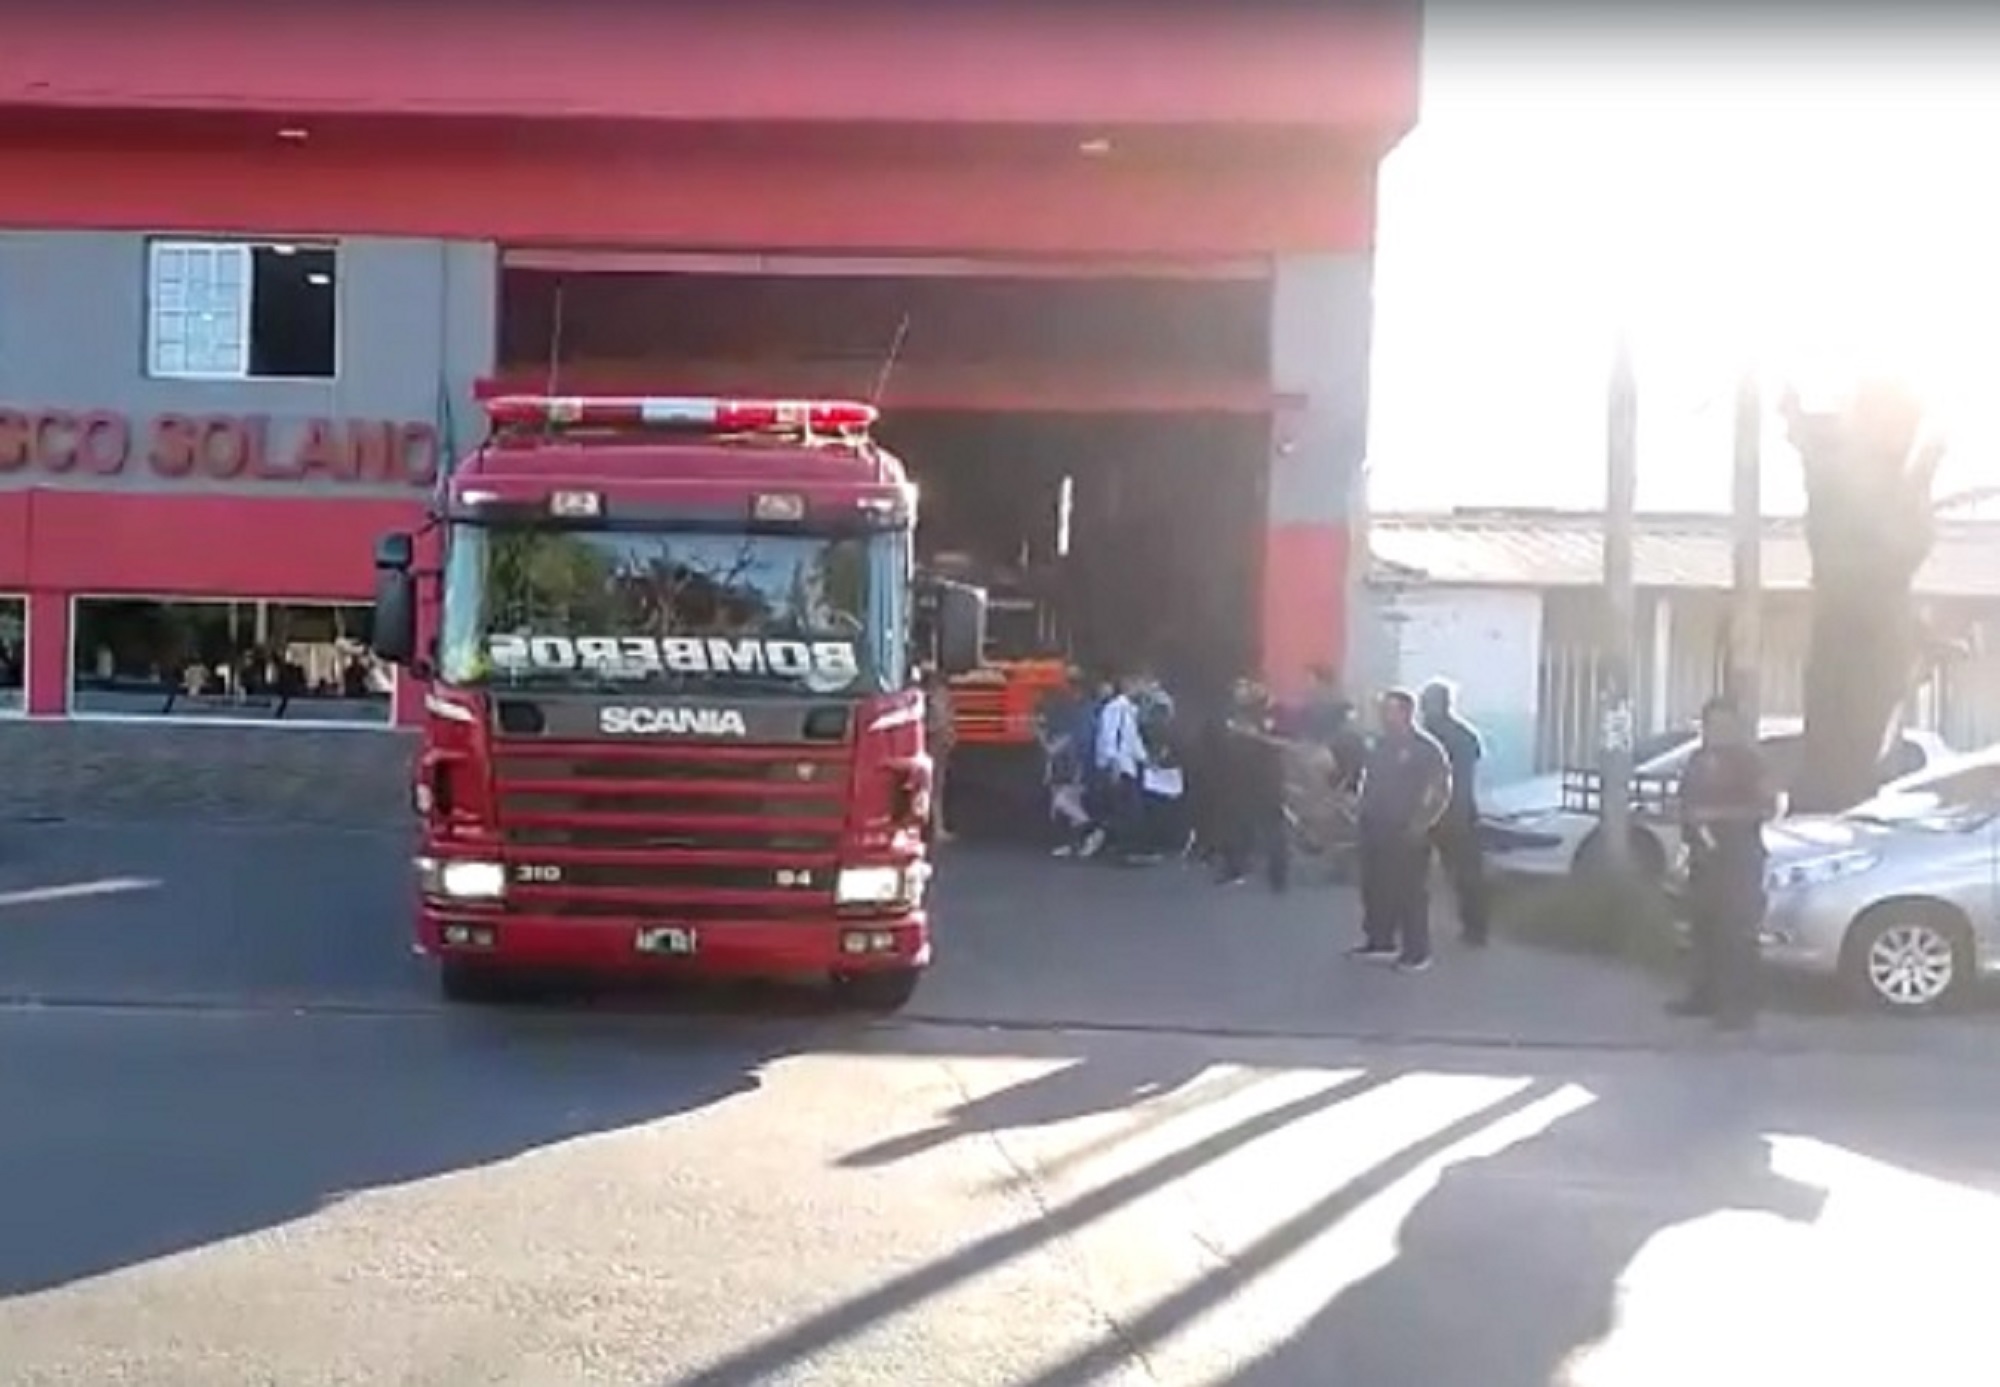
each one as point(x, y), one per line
point(1823, 208)
point(1203, 1221)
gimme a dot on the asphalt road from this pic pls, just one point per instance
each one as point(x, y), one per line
point(1139, 1132)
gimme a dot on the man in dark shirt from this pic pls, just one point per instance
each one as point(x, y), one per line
point(1457, 833)
point(1405, 786)
point(1725, 800)
point(1326, 718)
point(1251, 814)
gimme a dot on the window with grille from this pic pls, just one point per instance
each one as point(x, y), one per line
point(241, 310)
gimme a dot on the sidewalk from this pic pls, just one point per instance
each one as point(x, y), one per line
point(1026, 941)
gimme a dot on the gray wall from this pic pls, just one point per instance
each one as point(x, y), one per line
point(168, 770)
point(73, 335)
point(1322, 328)
point(1322, 316)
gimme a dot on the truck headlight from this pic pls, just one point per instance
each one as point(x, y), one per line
point(463, 880)
point(873, 886)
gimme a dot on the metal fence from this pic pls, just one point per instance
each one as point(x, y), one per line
point(1680, 652)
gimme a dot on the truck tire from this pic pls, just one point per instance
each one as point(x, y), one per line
point(884, 991)
point(468, 982)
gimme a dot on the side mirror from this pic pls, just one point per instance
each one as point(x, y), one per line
point(394, 637)
point(961, 628)
point(397, 551)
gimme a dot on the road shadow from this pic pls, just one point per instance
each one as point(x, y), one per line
point(1511, 1265)
point(786, 1350)
point(1121, 1081)
point(132, 1137)
point(1508, 1228)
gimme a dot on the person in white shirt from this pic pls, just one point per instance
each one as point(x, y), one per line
point(1121, 760)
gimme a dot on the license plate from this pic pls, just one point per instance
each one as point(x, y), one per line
point(667, 939)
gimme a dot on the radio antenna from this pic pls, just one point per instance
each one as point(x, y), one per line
point(889, 361)
point(555, 346)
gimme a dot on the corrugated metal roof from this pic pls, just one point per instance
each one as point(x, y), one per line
point(1553, 549)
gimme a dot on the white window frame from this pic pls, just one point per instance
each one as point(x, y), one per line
point(392, 724)
point(218, 252)
point(27, 652)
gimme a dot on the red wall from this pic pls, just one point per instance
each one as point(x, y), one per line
point(1302, 563)
point(56, 544)
point(1027, 62)
point(646, 190)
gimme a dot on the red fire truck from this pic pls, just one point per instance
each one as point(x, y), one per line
point(671, 721)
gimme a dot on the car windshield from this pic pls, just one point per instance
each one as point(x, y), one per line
point(553, 608)
point(1940, 799)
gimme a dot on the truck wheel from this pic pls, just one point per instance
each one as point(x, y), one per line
point(471, 983)
point(883, 990)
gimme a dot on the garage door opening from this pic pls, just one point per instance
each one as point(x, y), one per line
point(1112, 541)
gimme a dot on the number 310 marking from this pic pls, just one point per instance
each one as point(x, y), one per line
point(529, 873)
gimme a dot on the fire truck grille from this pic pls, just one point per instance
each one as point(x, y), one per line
point(746, 833)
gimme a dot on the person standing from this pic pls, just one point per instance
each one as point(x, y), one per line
point(1456, 836)
point(1067, 725)
point(1326, 718)
point(1726, 799)
point(1250, 809)
point(1121, 759)
point(941, 737)
point(1405, 786)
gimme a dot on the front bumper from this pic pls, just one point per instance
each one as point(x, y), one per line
point(1543, 850)
point(1797, 932)
point(807, 945)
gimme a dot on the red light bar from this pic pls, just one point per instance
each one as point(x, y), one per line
point(693, 414)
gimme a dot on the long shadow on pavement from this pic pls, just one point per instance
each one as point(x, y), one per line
point(789, 1348)
point(131, 1137)
point(1088, 1085)
point(1508, 1262)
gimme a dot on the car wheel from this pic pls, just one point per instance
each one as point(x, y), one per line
point(471, 983)
point(883, 990)
point(1649, 858)
point(1909, 957)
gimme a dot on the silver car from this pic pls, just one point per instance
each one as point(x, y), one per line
point(1529, 831)
point(1899, 897)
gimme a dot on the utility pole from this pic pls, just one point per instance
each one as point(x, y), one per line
point(1746, 523)
point(1621, 481)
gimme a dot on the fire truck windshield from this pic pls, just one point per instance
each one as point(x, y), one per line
point(557, 608)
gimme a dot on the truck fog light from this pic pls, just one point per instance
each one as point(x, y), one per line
point(468, 936)
point(868, 941)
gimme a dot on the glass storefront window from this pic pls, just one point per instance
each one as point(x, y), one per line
point(219, 659)
point(13, 652)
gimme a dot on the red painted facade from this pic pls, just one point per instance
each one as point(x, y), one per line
point(1023, 130)
point(1026, 63)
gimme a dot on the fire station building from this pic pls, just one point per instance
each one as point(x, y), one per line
point(256, 266)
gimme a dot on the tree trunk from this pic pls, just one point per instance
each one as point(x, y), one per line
point(1869, 529)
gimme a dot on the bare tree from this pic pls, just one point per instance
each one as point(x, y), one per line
point(1870, 521)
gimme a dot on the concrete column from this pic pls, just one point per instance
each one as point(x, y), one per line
point(1321, 320)
point(46, 694)
point(1663, 662)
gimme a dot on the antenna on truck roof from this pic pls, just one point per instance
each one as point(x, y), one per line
point(556, 343)
point(889, 361)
